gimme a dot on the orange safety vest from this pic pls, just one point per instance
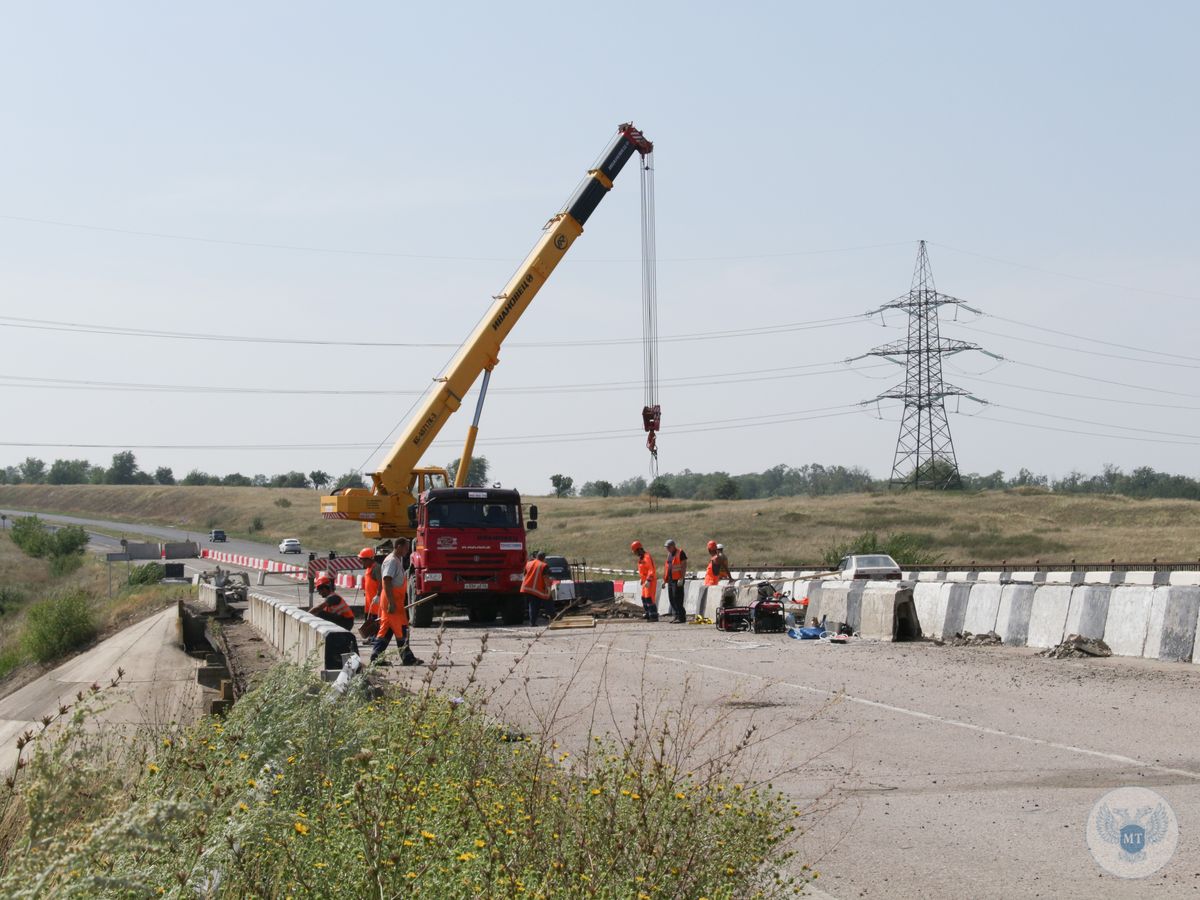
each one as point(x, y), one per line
point(398, 620)
point(675, 565)
point(713, 575)
point(336, 606)
point(535, 582)
point(372, 587)
point(646, 576)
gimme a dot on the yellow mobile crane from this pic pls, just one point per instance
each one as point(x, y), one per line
point(399, 500)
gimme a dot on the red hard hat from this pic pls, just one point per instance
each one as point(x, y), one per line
point(712, 546)
point(323, 580)
point(635, 546)
point(366, 553)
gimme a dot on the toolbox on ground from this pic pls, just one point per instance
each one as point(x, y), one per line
point(733, 618)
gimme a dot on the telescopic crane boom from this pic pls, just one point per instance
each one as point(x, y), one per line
point(383, 508)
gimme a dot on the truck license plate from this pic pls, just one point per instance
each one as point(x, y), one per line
point(469, 586)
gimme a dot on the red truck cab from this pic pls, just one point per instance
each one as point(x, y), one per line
point(469, 550)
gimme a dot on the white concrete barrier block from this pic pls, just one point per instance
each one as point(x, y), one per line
point(1128, 619)
point(1048, 615)
point(1088, 612)
point(991, 577)
point(982, 607)
point(1140, 578)
point(1028, 577)
point(930, 600)
point(1013, 614)
point(1063, 578)
point(1156, 624)
point(1184, 579)
point(1099, 576)
point(960, 576)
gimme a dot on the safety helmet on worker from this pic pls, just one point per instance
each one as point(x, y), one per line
point(635, 546)
point(323, 580)
point(670, 542)
point(712, 546)
point(366, 553)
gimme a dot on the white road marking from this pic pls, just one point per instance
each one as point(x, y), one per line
point(930, 717)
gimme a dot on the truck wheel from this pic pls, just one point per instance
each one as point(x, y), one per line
point(421, 616)
point(513, 611)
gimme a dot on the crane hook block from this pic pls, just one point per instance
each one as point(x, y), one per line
point(651, 418)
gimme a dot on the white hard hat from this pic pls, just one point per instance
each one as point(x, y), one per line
point(670, 542)
point(720, 546)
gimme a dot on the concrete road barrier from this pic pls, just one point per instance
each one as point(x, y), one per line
point(299, 636)
point(1088, 612)
point(1175, 638)
point(887, 612)
point(930, 600)
point(1048, 617)
point(1014, 613)
point(1127, 619)
point(982, 607)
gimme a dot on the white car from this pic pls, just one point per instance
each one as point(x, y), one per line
point(873, 566)
point(290, 545)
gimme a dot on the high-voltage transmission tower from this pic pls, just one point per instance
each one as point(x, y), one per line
point(924, 450)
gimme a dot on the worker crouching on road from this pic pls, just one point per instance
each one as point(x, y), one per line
point(372, 588)
point(393, 611)
point(536, 585)
point(648, 581)
point(332, 608)
point(674, 571)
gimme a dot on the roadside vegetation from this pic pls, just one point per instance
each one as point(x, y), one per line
point(54, 597)
point(1017, 525)
point(301, 793)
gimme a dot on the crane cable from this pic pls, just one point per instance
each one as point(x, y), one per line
point(651, 412)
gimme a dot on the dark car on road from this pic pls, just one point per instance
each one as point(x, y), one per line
point(216, 536)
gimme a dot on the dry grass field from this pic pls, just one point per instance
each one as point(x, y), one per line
point(989, 527)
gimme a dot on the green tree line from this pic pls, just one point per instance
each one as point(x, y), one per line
point(815, 480)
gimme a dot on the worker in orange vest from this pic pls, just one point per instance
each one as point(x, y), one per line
point(332, 607)
point(393, 611)
point(674, 571)
point(372, 587)
point(718, 566)
point(648, 581)
point(536, 584)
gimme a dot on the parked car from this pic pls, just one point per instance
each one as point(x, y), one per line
point(290, 545)
point(216, 536)
point(873, 566)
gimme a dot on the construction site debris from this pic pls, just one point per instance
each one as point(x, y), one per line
point(966, 639)
point(574, 622)
point(1077, 647)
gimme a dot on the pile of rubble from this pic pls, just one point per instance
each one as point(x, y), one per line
point(1076, 647)
point(966, 639)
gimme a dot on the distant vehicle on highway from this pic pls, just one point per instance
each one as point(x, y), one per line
point(216, 536)
point(874, 566)
point(290, 545)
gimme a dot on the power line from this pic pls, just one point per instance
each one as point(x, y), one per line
point(725, 424)
point(86, 328)
point(264, 245)
point(782, 373)
point(1013, 337)
point(1043, 390)
point(1080, 337)
point(1124, 384)
point(1117, 437)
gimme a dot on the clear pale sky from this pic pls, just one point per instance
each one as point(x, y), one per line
point(1047, 151)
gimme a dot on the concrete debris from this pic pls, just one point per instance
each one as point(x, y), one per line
point(1076, 647)
point(966, 639)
